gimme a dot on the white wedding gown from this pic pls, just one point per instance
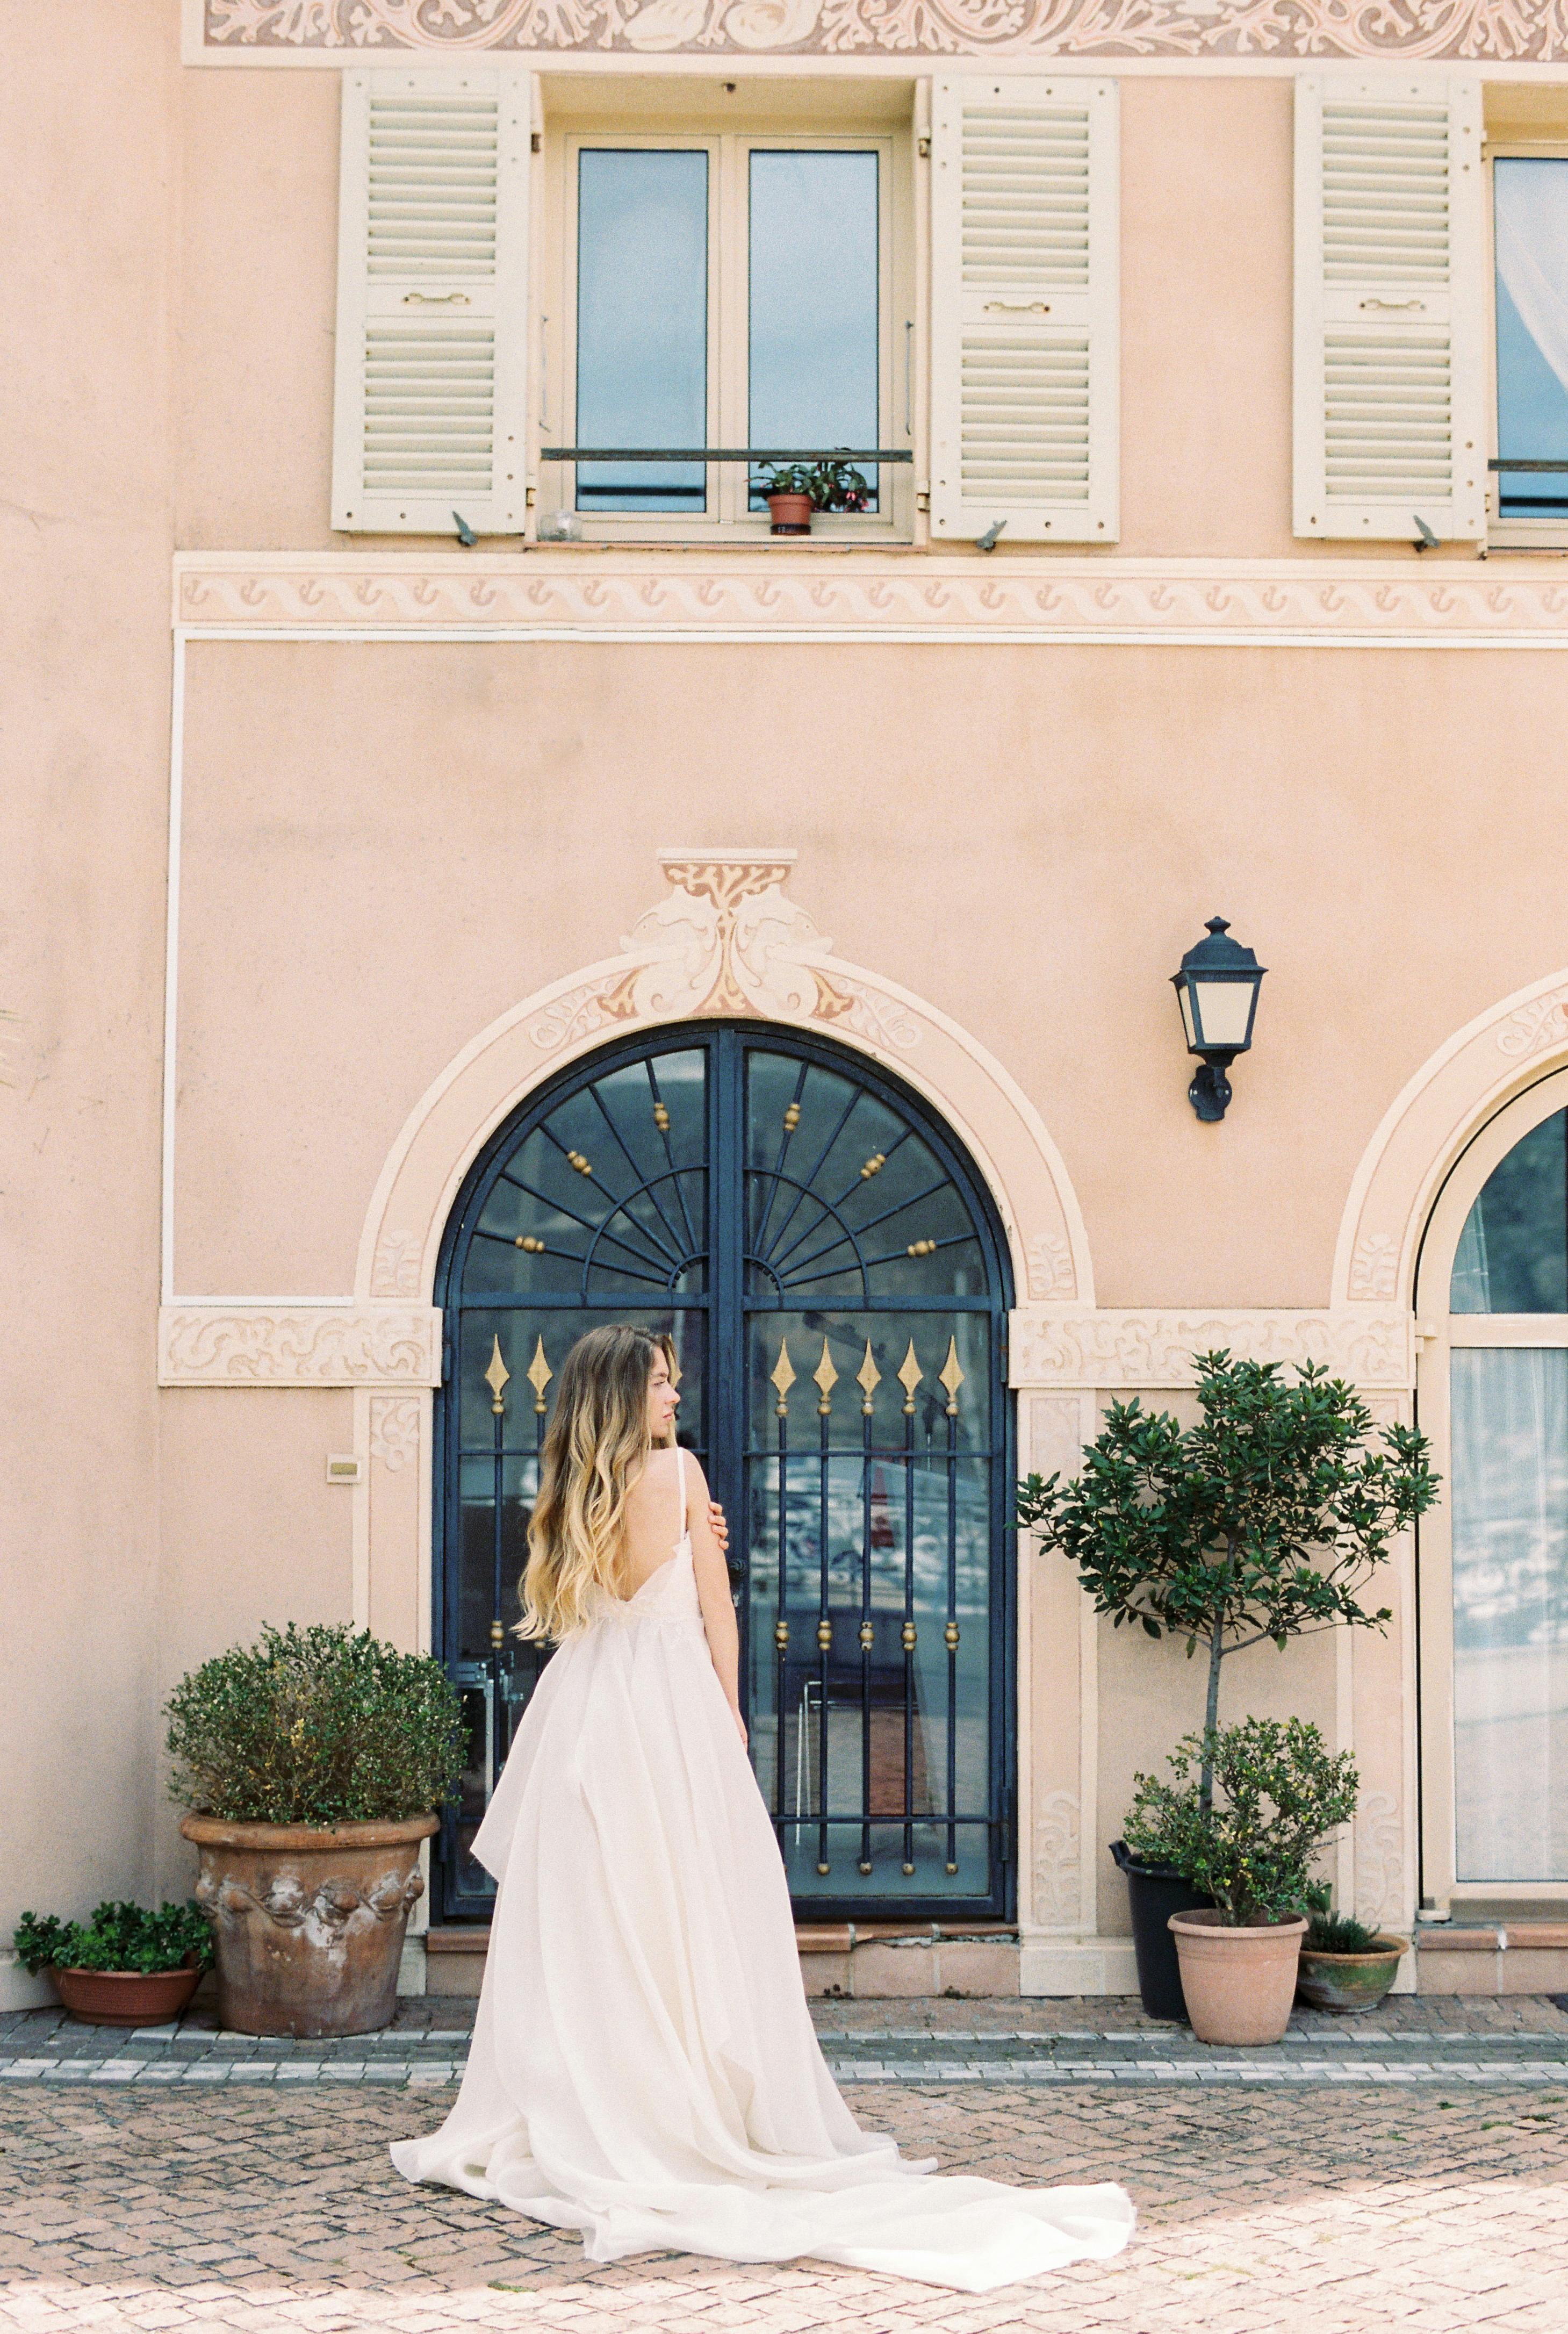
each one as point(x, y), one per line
point(643, 2066)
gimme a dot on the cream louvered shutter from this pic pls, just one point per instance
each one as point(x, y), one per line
point(1389, 307)
point(432, 303)
point(1024, 310)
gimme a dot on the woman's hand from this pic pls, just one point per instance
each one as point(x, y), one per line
point(718, 1527)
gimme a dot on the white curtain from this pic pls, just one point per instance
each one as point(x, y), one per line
point(1531, 207)
point(1510, 1511)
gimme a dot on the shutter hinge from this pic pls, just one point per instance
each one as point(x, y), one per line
point(923, 148)
point(446, 1361)
point(536, 143)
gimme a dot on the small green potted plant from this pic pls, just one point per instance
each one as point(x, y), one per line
point(1345, 1965)
point(1264, 1520)
point(1247, 1810)
point(795, 490)
point(313, 1763)
point(125, 1965)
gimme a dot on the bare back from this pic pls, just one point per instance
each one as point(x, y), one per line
point(655, 1518)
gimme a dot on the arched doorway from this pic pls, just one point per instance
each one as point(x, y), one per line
point(1492, 1292)
point(833, 1274)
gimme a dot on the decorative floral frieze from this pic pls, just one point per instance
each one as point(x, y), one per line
point(395, 1429)
point(1056, 1862)
point(725, 940)
point(1404, 30)
point(1303, 603)
point(1534, 1028)
point(1110, 1350)
point(1379, 1865)
point(303, 1346)
point(397, 1266)
point(1374, 1268)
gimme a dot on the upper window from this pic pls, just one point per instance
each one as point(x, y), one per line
point(1530, 218)
point(726, 299)
point(1513, 1253)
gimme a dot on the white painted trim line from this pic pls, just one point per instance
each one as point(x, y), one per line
point(171, 966)
point(879, 636)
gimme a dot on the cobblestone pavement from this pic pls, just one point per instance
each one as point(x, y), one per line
point(1347, 2208)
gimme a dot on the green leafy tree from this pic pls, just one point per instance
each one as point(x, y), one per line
point(1262, 1521)
point(1277, 1793)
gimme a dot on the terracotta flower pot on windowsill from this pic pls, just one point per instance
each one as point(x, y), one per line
point(790, 514)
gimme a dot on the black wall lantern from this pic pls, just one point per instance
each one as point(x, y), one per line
point(1216, 990)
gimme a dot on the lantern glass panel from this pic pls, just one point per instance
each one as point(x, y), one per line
point(1224, 1010)
point(1184, 998)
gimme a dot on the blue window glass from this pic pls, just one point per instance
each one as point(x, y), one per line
point(641, 324)
point(1530, 201)
point(813, 336)
point(1513, 1253)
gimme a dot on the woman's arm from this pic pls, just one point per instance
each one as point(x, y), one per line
point(713, 1590)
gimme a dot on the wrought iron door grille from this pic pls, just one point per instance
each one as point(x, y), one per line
point(835, 1282)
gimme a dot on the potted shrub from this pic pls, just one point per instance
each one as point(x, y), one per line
point(795, 490)
point(1345, 1965)
point(1249, 1809)
point(125, 1966)
point(1262, 1522)
point(314, 1762)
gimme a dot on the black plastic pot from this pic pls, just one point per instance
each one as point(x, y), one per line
point(1156, 1891)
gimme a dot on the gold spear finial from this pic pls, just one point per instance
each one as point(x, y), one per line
point(827, 1378)
point(952, 1376)
point(539, 1374)
point(868, 1377)
point(909, 1376)
point(784, 1376)
point(496, 1376)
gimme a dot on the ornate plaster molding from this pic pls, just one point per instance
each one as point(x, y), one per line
point(724, 939)
point(1114, 1350)
point(299, 1345)
point(552, 595)
point(1406, 31)
point(1504, 1050)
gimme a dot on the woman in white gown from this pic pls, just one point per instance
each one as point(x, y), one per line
point(643, 2065)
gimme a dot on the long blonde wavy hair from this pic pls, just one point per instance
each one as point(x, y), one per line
point(596, 1446)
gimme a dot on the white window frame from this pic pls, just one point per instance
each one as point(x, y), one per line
point(727, 518)
point(1440, 1332)
point(1511, 533)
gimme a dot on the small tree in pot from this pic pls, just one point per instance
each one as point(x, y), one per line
point(1249, 1809)
point(1262, 1521)
point(314, 1762)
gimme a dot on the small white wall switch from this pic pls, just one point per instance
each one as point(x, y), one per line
point(343, 1467)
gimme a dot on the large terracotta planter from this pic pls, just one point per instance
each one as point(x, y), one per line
point(1350, 1983)
point(1239, 1983)
point(125, 1997)
point(309, 1924)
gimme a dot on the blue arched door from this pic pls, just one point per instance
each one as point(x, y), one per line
point(834, 1277)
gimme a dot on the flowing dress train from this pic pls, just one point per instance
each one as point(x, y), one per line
point(643, 2065)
